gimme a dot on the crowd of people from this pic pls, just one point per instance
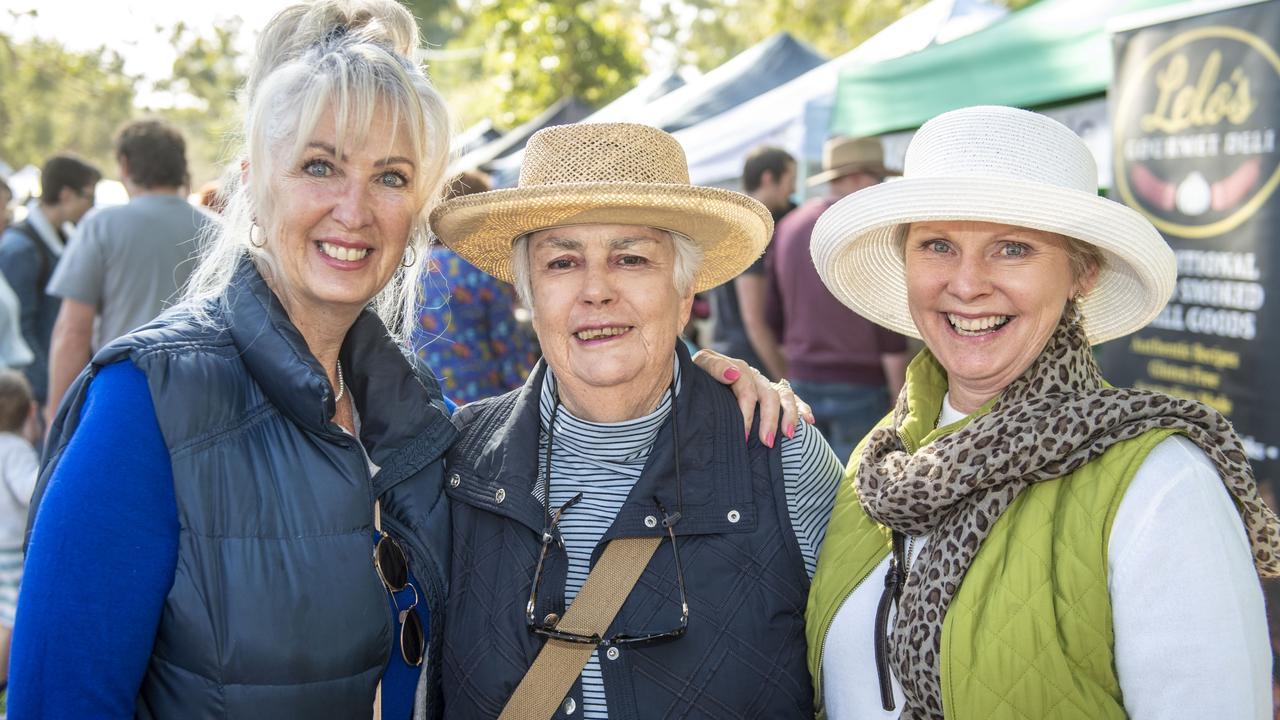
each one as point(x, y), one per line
point(355, 438)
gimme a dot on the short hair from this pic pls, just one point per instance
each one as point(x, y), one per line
point(15, 400)
point(1084, 257)
point(466, 183)
point(689, 256)
point(764, 158)
point(65, 171)
point(155, 153)
point(352, 59)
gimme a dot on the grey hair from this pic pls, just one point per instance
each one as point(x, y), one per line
point(688, 260)
point(351, 58)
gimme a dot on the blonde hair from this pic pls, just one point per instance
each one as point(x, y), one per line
point(352, 58)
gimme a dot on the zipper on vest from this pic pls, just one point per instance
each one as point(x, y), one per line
point(893, 581)
point(822, 647)
point(907, 445)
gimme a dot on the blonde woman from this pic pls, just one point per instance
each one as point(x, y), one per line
point(202, 542)
point(1018, 538)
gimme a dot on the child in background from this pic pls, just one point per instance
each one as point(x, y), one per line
point(19, 465)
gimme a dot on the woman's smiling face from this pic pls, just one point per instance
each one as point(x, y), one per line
point(605, 305)
point(986, 298)
point(340, 223)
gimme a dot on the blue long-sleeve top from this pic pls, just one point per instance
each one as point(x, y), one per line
point(101, 562)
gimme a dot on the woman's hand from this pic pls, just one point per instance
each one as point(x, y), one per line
point(752, 388)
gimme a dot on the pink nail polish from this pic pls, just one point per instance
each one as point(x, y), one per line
point(732, 374)
point(791, 432)
point(769, 440)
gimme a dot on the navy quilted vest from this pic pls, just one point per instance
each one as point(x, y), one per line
point(744, 653)
point(276, 610)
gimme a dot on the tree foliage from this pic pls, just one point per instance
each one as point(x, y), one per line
point(505, 60)
point(708, 32)
point(509, 59)
point(536, 51)
point(712, 31)
point(439, 20)
point(206, 75)
point(53, 99)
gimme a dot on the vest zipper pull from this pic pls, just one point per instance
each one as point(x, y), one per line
point(893, 581)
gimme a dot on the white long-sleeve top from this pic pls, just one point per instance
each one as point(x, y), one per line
point(1190, 627)
point(19, 466)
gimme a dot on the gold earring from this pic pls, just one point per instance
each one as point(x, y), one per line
point(1074, 311)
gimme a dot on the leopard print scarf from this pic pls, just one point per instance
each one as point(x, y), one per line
point(1056, 417)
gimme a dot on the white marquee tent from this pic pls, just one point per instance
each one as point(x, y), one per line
point(795, 115)
point(768, 64)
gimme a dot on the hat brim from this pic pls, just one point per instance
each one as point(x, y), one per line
point(857, 246)
point(732, 229)
point(829, 175)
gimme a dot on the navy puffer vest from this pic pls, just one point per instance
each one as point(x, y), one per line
point(276, 610)
point(744, 653)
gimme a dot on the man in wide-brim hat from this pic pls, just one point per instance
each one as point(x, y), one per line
point(621, 459)
point(846, 157)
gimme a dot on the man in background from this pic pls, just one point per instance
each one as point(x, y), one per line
point(844, 365)
point(129, 262)
point(740, 329)
point(32, 249)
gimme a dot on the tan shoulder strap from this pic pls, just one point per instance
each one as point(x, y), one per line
point(559, 663)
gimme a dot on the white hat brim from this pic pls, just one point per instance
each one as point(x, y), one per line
point(857, 245)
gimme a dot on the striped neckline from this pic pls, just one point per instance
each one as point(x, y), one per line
point(625, 442)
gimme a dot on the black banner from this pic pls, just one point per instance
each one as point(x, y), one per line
point(1195, 107)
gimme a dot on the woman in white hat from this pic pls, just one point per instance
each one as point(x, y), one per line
point(618, 441)
point(1018, 539)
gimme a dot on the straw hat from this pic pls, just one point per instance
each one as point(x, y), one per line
point(607, 173)
point(1002, 165)
point(844, 156)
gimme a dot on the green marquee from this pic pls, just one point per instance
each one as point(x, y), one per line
point(1052, 51)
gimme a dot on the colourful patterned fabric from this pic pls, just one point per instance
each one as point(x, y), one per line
point(467, 332)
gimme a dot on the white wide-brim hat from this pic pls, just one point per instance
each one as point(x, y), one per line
point(1000, 165)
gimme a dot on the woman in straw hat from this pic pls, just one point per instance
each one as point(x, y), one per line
point(244, 496)
point(617, 440)
point(1017, 538)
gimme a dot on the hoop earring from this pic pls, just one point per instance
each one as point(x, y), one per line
point(264, 236)
point(413, 254)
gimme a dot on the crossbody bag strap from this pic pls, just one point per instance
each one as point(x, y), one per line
point(559, 663)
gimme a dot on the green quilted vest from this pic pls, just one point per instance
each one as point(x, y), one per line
point(1029, 633)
